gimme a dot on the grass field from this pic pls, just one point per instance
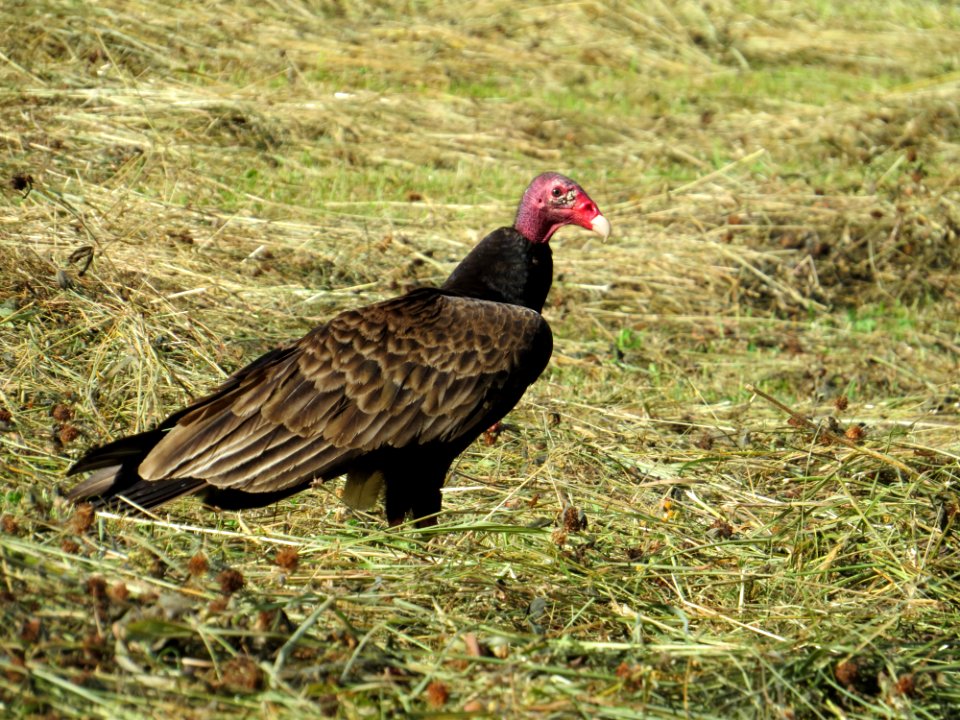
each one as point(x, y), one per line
point(734, 492)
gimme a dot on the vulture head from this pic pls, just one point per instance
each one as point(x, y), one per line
point(552, 201)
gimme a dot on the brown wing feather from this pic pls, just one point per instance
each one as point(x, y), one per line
point(421, 368)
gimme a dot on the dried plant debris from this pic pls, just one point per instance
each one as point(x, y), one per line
point(732, 493)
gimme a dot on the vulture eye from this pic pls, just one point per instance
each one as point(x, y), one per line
point(556, 192)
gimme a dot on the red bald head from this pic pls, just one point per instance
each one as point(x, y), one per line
point(552, 201)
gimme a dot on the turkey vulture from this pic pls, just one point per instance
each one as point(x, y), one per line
point(388, 394)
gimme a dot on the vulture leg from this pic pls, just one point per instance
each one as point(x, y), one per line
point(416, 493)
point(426, 505)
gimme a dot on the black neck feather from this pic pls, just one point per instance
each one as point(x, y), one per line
point(505, 267)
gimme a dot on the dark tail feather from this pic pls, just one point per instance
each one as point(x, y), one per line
point(114, 482)
point(119, 452)
point(147, 495)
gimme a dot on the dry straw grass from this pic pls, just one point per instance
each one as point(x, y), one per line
point(733, 494)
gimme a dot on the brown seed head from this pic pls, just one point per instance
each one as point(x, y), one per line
point(574, 520)
point(118, 592)
point(846, 672)
point(61, 412)
point(70, 546)
point(68, 433)
point(30, 630)
point(241, 675)
point(82, 519)
point(198, 565)
point(906, 685)
point(437, 694)
point(855, 433)
point(722, 529)
point(9, 524)
point(218, 605)
point(230, 581)
point(288, 558)
point(97, 588)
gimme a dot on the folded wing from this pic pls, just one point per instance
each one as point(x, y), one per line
point(427, 368)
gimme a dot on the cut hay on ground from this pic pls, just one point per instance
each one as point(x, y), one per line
point(732, 494)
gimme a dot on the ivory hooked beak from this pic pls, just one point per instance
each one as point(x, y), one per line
point(601, 226)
